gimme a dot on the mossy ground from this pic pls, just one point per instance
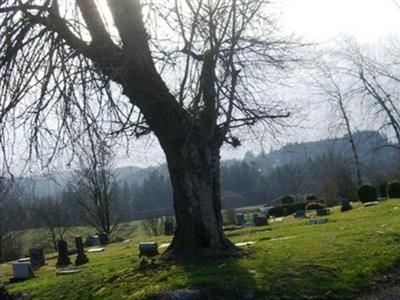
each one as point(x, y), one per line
point(290, 260)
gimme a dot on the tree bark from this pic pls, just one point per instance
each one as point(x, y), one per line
point(194, 171)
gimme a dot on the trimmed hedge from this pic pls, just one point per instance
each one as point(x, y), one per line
point(367, 193)
point(393, 189)
point(285, 210)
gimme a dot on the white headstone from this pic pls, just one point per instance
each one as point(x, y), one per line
point(22, 270)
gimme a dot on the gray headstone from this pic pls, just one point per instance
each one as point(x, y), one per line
point(67, 272)
point(317, 221)
point(22, 270)
point(63, 258)
point(366, 204)
point(148, 249)
point(81, 257)
point(92, 240)
point(345, 205)
point(36, 256)
point(240, 220)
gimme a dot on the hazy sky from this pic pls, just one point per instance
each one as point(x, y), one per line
point(322, 20)
point(315, 20)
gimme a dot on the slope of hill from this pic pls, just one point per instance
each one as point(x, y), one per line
point(289, 260)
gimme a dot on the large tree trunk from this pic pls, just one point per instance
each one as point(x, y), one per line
point(194, 172)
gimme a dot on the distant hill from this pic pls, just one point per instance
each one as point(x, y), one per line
point(375, 151)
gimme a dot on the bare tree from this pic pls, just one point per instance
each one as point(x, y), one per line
point(376, 74)
point(193, 72)
point(54, 216)
point(338, 90)
point(153, 225)
point(95, 187)
point(10, 213)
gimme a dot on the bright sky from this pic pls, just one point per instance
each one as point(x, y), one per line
point(321, 20)
point(318, 21)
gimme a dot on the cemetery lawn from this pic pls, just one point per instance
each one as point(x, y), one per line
point(288, 260)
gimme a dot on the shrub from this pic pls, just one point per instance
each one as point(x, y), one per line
point(314, 205)
point(367, 193)
point(393, 189)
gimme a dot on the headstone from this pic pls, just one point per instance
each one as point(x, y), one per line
point(81, 257)
point(92, 240)
point(345, 205)
point(67, 272)
point(245, 244)
point(323, 212)
point(240, 220)
point(148, 249)
point(299, 214)
point(36, 255)
point(103, 238)
point(254, 218)
point(317, 221)
point(95, 250)
point(63, 258)
point(372, 203)
point(260, 220)
point(169, 226)
point(22, 270)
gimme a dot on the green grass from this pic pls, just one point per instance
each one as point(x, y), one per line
point(333, 260)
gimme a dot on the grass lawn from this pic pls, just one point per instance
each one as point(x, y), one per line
point(289, 260)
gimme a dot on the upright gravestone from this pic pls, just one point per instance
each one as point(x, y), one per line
point(22, 271)
point(240, 220)
point(81, 257)
point(148, 249)
point(92, 240)
point(345, 205)
point(36, 256)
point(255, 218)
point(63, 258)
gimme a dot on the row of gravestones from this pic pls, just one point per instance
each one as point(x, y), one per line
point(263, 219)
point(22, 269)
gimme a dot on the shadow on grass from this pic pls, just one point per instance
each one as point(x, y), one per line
point(209, 278)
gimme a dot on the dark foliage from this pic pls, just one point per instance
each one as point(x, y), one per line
point(393, 189)
point(314, 205)
point(367, 193)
